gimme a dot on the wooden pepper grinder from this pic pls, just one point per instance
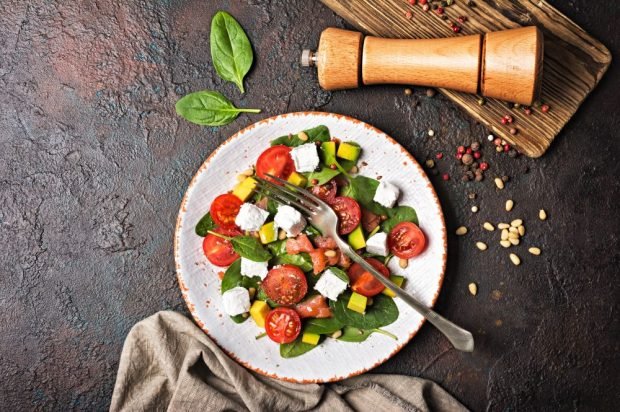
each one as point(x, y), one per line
point(505, 65)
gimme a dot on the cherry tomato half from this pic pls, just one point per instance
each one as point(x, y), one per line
point(363, 282)
point(220, 251)
point(326, 192)
point(224, 210)
point(349, 214)
point(282, 325)
point(276, 161)
point(285, 285)
point(406, 240)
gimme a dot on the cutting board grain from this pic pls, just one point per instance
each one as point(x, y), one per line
point(574, 61)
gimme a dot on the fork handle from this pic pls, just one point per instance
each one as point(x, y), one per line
point(460, 338)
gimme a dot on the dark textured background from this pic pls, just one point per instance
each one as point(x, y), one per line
point(94, 162)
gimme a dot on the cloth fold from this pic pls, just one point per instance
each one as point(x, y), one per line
point(168, 363)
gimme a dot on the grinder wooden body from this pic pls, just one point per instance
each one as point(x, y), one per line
point(506, 65)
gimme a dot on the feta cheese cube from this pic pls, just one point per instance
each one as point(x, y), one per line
point(236, 301)
point(330, 285)
point(386, 194)
point(305, 157)
point(290, 220)
point(377, 244)
point(250, 268)
point(251, 217)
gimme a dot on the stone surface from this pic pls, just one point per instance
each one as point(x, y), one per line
point(94, 162)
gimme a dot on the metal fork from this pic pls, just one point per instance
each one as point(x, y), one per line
point(321, 216)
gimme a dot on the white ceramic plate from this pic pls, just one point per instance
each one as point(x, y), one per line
point(332, 360)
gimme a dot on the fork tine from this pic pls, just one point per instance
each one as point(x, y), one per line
point(290, 186)
point(291, 194)
point(284, 200)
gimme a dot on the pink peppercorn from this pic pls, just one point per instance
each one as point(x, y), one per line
point(446, 176)
point(459, 156)
point(408, 15)
point(477, 155)
point(439, 155)
point(527, 111)
point(506, 147)
point(504, 120)
point(455, 28)
point(439, 10)
point(497, 141)
point(412, 2)
point(423, 2)
point(462, 19)
point(460, 149)
point(484, 165)
point(425, 6)
point(544, 108)
point(468, 150)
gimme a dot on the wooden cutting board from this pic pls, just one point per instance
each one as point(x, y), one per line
point(574, 61)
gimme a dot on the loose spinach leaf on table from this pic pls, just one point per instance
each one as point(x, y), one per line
point(351, 334)
point(397, 215)
point(250, 248)
point(295, 348)
point(362, 189)
point(323, 175)
point(231, 50)
point(324, 326)
point(382, 312)
point(208, 108)
point(316, 134)
point(205, 224)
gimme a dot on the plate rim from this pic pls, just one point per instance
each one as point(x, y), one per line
point(182, 210)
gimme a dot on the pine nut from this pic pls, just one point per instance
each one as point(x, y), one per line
point(534, 251)
point(302, 136)
point(509, 205)
point(354, 169)
point(481, 245)
point(505, 243)
point(330, 253)
point(503, 226)
point(542, 215)
point(281, 234)
point(474, 209)
point(252, 292)
point(505, 234)
point(241, 177)
point(513, 230)
point(336, 334)
point(403, 263)
point(473, 288)
point(461, 231)
point(245, 315)
point(431, 132)
point(516, 223)
point(248, 172)
point(521, 230)
point(514, 241)
point(369, 302)
point(512, 235)
point(515, 259)
point(488, 226)
point(499, 183)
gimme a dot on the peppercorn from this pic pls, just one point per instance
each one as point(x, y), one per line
point(315, 181)
point(484, 166)
point(439, 155)
point(460, 149)
point(412, 2)
point(513, 130)
point(506, 147)
point(333, 166)
point(430, 92)
point(408, 15)
point(430, 163)
point(462, 19)
point(459, 156)
point(516, 105)
point(443, 17)
point(408, 91)
point(528, 111)
point(505, 178)
point(512, 153)
point(481, 101)
point(497, 141)
point(477, 155)
point(423, 2)
point(475, 146)
point(471, 195)
point(499, 149)
point(425, 6)
point(479, 177)
point(468, 150)
point(446, 176)
point(467, 159)
point(456, 28)
point(504, 120)
point(544, 108)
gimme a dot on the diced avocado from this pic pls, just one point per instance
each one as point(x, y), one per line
point(374, 231)
point(357, 303)
point(244, 189)
point(268, 233)
point(349, 151)
point(259, 311)
point(328, 153)
point(399, 280)
point(310, 338)
point(297, 179)
point(356, 238)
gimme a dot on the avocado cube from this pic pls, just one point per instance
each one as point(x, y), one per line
point(244, 189)
point(349, 151)
point(259, 311)
point(310, 338)
point(268, 233)
point(328, 153)
point(399, 280)
point(357, 303)
point(356, 238)
point(297, 179)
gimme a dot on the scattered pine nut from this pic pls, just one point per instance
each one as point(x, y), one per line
point(330, 253)
point(336, 334)
point(515, 259)
point(431, 132)
point(488, 226)
point(499, 183)
point(281, 234)
point(302, 136)
point(241, 177)
point(516, 223)
point(521, 230)
point(514, 241)
point(542, 215)
point(245, 315)
point(509, 205)
point(512, 235)
point(248, 172)
point(474, 209)
point(481, 245)
point(534, 251)
point(503, 226)
point(251, 292)
point(505, 234)
point(461, 231)
point(513, 230)
point(505, 243)
point(473, 288)
point(403, 263)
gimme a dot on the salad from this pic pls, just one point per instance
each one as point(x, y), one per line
point(283, 273)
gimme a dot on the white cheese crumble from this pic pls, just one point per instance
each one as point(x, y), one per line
point(386, 194)
point(236, 301)
point(377, 244)
point(290, 220)
point(330, 285)
point(305, 157)
point(250, 268)
point(251, 217)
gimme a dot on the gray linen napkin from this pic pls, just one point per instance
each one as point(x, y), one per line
point(168, 363)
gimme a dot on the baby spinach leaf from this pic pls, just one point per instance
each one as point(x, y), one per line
point(232, 277)
point(239, 318)
point(351, 334)
point(397, 215)
point(208, 108)
point(205, 224)
point(340, 274)
point(362, 189)
point(302, 261)
point(231, 50)
point(382, 312)
point(323, 175)
point(250, 248)
point(324, 326)
point(295, 348)
point(312, 231)
point(316, 134)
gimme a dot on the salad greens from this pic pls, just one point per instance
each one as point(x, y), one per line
point(250, 248)
point(362, 189)
point(205, 224)
point(316, 134)
point(280, 257)
point(295, 348)
point(231, 50)
point(324, 326)
point(397, 215)
point(381, 313)
point(352, 334)
point(208, 108)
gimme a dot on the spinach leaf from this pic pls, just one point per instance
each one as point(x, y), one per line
point(324, 175)
point(325, 326)
point(208, 108)
point(382, 312)
point(205, 224)
point(277, 248)
point(316, 134)
point(397, 215)
point(239, 318)
point(312, 231)
point(302, 261)
point(231, 50)
point(340, 274)
point(362, 189)
point(351, 334)
point(232, 277)
point(295, 348)
point(261, 295)
point(250, 248)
